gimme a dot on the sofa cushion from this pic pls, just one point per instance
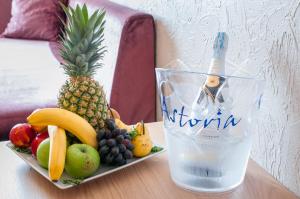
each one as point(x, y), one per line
point(30, 78)
point(36, 19)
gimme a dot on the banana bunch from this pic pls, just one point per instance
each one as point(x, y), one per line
point(58, 120)
point(66, 120)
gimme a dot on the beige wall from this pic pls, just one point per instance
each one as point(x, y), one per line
point(265, 37)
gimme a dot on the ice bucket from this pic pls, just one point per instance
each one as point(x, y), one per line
point(208, 134)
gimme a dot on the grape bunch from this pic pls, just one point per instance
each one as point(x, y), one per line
point(115, 146)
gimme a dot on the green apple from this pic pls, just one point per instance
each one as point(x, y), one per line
point(42, 154)
point(82, 160)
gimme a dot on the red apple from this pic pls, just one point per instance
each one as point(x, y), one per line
point(21, 135)
point(37, 140)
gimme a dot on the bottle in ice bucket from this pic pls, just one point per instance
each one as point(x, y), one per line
point(210, 98)
point(205, 164)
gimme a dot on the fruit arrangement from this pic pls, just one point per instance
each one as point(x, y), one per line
point(113, 144)
point(83, 132)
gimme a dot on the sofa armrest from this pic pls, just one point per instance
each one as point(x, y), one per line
point(130, 62)
point(5, 14)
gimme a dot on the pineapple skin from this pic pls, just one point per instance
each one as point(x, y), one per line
point(85, 97)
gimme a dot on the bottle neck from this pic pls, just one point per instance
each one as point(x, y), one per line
point(217, 68)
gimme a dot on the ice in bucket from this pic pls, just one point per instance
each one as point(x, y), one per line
point(207, 123)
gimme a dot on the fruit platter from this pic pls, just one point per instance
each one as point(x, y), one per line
point(83, 138)
point(66, 181)
point(66, 161)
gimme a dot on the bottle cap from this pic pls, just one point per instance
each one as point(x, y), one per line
point(217, 65)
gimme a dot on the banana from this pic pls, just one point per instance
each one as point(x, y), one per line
point(114, 113)
point(67, 120)
point(57, 153)
point(122, 125)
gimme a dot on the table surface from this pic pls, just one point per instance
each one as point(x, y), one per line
point(148, 179)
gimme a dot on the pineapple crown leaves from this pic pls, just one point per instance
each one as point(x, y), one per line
point(81, 42)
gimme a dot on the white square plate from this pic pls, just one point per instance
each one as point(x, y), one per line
point(66, 181)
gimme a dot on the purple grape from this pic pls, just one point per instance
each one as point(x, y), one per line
point(108, 134)
point(115, 151)
point(119, 160)
point(110, 123)
point(122, 148)
point(120, 138)
point(115, 132)
point(100, 134)
point(109, 158)
point(126, 142)
point(128, 154)
point(104, 150)
point(111, 142)
point(130, 146)
point(102, 143)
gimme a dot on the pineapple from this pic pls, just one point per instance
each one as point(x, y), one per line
point(81, 49)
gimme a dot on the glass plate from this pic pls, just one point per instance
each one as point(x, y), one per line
point(66, 181)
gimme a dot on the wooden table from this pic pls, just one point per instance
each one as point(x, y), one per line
point(148, 179)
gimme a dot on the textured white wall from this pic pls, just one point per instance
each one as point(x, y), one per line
point(264, 36)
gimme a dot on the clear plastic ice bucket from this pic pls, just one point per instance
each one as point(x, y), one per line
point(208, 140)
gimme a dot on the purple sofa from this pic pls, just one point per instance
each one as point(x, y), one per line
point(30, 73)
